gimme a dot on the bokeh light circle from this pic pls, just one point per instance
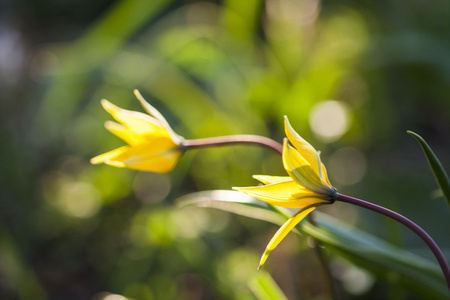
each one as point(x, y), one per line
point(329, 120)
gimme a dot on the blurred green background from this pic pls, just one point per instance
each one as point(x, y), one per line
point(352, 76)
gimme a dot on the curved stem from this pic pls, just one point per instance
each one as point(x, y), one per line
point(257, 140)
point(234, 140)
point(408, 223)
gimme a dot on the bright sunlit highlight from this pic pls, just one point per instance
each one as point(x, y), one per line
point(329, 120)
point(79, 199)
point(114, 297)
point(356, 281)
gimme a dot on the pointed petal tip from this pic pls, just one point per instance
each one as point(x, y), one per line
point(141, 99)
point(108, 106)
point(150, 109)
point(94, 161)
point(109, 124)
point(104, 102)
point(260, 178)
point(288, 127)
point(263, 259)
point(115, 163)
point(137, 94)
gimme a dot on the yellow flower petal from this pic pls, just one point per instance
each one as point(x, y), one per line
point(108, 155)
point(310, 155)
point(284, 230)
point(266, 179)
point(156, 114)
point(124, 133)
point(139, 123)
point(158, 155)
point(301, 172)
point(285, 194)
point(115, 163)
point(325, 175)
point(307, 186)
point(153, 146)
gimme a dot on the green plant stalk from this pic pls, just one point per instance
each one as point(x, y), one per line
point(439, 172)
point(408, 223)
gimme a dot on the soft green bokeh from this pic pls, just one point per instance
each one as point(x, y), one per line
point(351, 76)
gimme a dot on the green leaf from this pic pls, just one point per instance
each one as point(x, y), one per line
point(265, 288)
point(378, 256)
point(383, 259)
point(439, 172)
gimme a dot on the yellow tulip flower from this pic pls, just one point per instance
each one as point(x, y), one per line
point(306, 187)
point(152, 144)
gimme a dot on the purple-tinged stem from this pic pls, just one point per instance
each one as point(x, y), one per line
point(257, 140)
point(235, 140)
point(408, 223)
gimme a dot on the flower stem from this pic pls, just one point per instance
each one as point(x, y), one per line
point(234, 140)
point(408, 223)
point(257, 140)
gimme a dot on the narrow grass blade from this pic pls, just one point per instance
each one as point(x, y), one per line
point(265, 288)
point(439, 172)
